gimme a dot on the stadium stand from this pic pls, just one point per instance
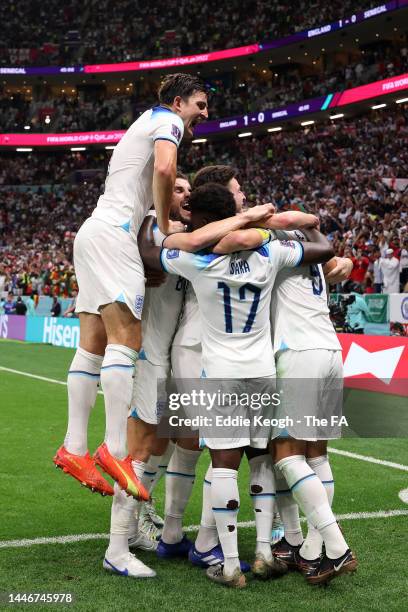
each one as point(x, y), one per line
point(94, 31)
point(338, 170)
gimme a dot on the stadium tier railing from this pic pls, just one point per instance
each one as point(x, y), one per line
point(266, 117)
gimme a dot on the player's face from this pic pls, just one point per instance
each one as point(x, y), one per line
point(193, 111)
point(239, 196)
point(181, 193)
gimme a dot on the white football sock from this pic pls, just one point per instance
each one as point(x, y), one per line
point(83, 379)
point(288, 510)
point(123, 508)
point(180, 477)
point(262, 492)
point(312, 546)
point(157, 465)
point(225, 505)
point(117, 383)
point(139, 468)
point(207, 536)
point(309, 492)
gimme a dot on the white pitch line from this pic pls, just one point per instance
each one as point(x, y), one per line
point(37, 377)
point(397, 466)
point(51, 380)
point(84, 537)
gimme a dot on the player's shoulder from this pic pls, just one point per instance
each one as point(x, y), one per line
point(162, 113)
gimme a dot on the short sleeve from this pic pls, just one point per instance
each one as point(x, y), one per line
point(166, 125)
point(290, 235)
point(179, 262)
point(286, 253)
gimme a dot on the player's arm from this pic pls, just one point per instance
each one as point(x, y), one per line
point(290, 220)
point(318, 249)
point(248, 239)
point(337, 269)
point(242, 240)
point(164, 177)
point(145, 239)
point(213, 232)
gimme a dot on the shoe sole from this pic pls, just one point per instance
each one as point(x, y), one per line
point(231, 585)
point(93, 488)
point(111, 571)
point(268, 573)
point(324, 579)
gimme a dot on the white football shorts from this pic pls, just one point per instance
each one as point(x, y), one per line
point(310, 384)
point(108, 268)
point(149, 399)
point(250, 403)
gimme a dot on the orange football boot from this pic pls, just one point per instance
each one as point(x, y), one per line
point(121, 470)
point(82, 467)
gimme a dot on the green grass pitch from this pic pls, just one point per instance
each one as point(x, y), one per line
point(39, 501)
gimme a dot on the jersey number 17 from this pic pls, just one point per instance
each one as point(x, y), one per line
point(242, 294)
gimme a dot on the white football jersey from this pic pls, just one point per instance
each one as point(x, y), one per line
point(128, 187)
point(233, 293)
point(189, 327)
point(299, 312)
point(161, 311)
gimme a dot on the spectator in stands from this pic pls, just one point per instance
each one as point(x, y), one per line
point(377, 272)
point(390, 269)
point(360, 263)
point(55, 307)
point(21, 308)
point(404, 263)
point(9, 306)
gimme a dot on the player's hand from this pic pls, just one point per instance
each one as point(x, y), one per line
point(154, 278)
point(311, 222)
point(174, 227)
point(272, 205)
point(339, 270)
point(258, 213)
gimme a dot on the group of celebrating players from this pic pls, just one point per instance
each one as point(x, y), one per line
point(199, 292)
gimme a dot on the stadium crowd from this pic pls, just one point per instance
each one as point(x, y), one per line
point(336, 170)
point(94, 31)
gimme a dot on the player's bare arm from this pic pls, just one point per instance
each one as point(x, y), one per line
point(154, 278)
point(290, 220)
point(212, 232)
point(247, 239)
point(318, 249)
point(164, 176)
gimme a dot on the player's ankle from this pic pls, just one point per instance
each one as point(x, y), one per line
point(264, 548)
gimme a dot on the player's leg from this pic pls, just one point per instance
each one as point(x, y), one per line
point(316, 456)
point(225, 505)
point(288, 546)
point(126, 511)
point(144, 446)
point(82, 383)
point(263, 493)
point(123, 331)
point(150, 523)
point(118, 559)
point(180, 475)
point(180, 478)
point(309, 492)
